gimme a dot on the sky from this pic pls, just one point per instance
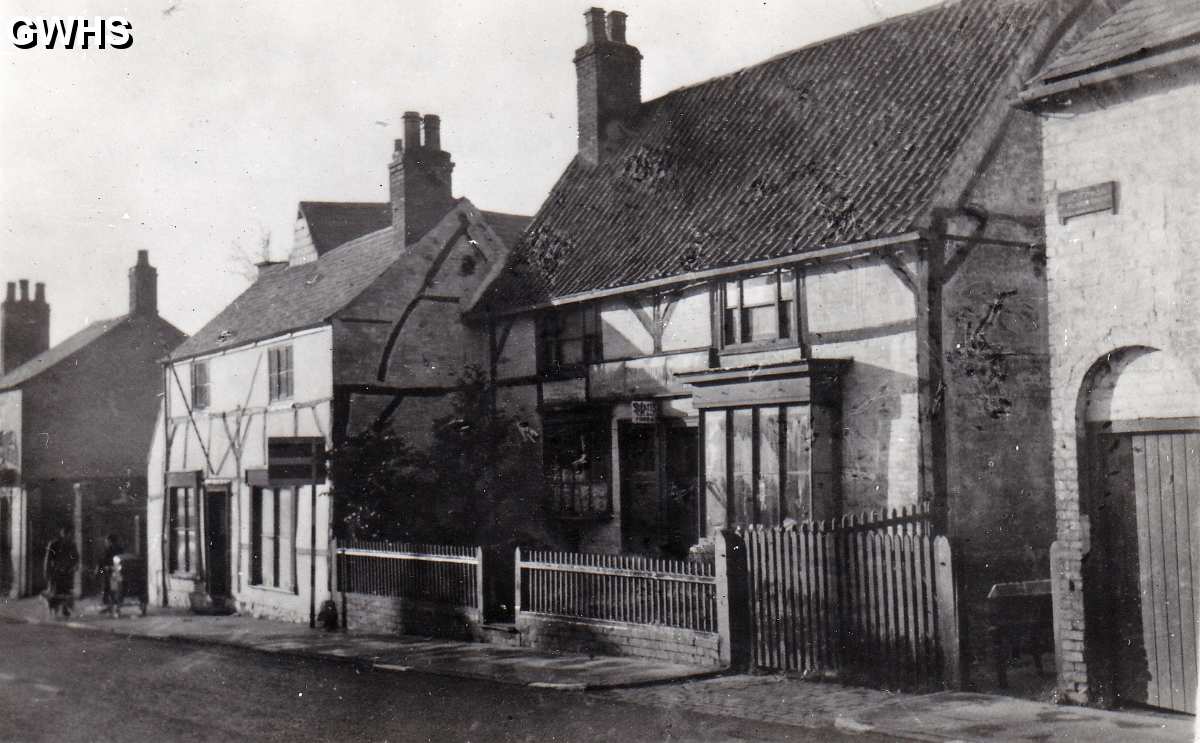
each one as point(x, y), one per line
point(198, 142)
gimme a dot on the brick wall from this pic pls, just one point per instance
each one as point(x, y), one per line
point(1115, 281)
point(599, 637)
point(389, 615)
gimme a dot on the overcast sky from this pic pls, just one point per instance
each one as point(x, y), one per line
point(223, 115)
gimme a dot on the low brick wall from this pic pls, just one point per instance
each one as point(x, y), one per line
point(600, 637)
point(388, 615)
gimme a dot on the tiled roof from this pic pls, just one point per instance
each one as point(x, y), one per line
point(291, 298)
point(294, 297)
point(333, 223)
point(508, 227)
point(838, 142)
point(55, 355)
point(1140, 28)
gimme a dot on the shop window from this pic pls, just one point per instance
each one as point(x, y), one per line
point(272, 544)
point(569, 339)
point(183, 545)
point(199, 385)
point(279, 372)
point(576, 460)
point(758, 464)
point(759, 309)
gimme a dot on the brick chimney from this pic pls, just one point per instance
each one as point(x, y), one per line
point(24, 325)
point(419, 179)
point(143, 286)
point(608, 75)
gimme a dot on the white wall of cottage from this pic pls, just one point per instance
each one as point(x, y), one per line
point(230, 437)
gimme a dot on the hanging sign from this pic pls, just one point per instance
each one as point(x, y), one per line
point(645, 411)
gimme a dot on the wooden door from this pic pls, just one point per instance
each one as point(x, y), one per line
point(1149, 520)
point(640, 516)
point(216, 542)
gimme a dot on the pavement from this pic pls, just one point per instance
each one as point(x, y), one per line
point(943, 716)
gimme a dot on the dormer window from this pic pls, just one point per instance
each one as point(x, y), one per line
point(759, 309)
point(570, 339)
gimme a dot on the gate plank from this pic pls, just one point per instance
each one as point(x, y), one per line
point(1190, 495)
point(1145, 489)
point(1172, 590)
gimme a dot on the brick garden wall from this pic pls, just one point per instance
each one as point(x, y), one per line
point(390, 615)
point(1115, 281)
point(619, 638)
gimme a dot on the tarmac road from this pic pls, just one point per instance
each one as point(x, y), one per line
point(62, 684)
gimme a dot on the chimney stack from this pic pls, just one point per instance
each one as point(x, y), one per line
point(143, 286)
point(24, 325)
point(608, 82)
point(419, 179)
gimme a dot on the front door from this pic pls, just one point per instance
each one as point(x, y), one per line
point(1147, 531)
point(216, 542)
point(638, 446)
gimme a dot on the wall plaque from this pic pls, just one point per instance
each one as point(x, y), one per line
point(644, 411)
point(1100, 197)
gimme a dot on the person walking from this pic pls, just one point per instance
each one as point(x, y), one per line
point(110, 592)
point(62, 559)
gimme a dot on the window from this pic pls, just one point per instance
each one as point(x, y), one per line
point(758, 464)
point(570, 339)
point(575, 455)
point(183, 545)
point(758, 309)
point(279, 372)
point(199, 385)
point(272, 542)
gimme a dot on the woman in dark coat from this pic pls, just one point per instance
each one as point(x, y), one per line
point(61, 561)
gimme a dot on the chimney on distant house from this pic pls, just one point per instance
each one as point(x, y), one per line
point(143, 286)
point(419, 179)
point(24, 325)
point(608, 75)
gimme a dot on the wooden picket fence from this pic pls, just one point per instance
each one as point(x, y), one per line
point(620, 588)
point(864, 599)
point(437, 573)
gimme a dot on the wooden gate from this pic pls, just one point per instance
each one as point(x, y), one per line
point(1147, 511)
point(856, 599)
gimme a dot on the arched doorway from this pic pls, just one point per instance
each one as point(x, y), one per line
point(1139, 433)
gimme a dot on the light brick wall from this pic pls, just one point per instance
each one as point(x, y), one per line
point(1115, 281)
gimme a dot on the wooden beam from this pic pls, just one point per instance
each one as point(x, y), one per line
point(893, 262)
point(645, 318)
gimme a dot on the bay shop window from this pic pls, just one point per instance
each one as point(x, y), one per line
point(575, 456)
point(272, 537)
point(770, 442)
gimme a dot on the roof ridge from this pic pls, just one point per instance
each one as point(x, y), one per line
point(818, 43)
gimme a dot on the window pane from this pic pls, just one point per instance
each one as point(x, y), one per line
point(797, 495)
point(785, 319)
point(731, 293)
point(285, 532)
point(760, 323)
point(759, 290)
point(743, 467)
point(715, 461)
point(787, 285)
point(768, 466)
point(571, 324)
point(572, 351)
point(730, 331)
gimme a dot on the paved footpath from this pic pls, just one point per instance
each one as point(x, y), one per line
point(945, 716)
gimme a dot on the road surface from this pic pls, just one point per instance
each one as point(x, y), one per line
point(64, 684)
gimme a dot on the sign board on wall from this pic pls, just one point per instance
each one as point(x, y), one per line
point(644, 411)
point(1099, 197)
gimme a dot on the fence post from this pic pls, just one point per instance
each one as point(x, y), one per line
point(948, 614)
point(479, 587)
point(733, 609)
point(517, 585)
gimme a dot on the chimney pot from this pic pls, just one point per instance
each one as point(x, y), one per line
point(39, 292)
point(24, 289)
point(595, 25)
point(11, 296)
point(616, 27)
point(412, 129)
point(433, 132)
